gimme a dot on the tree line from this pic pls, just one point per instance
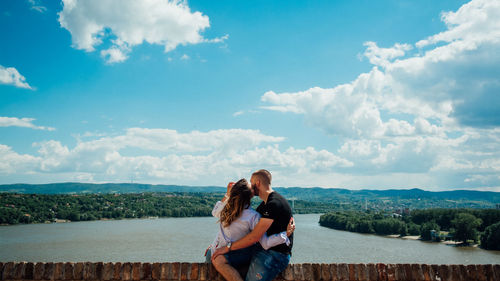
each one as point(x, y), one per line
point(464, 225)
point(39, 208)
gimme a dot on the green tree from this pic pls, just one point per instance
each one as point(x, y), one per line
point(403, 229)
point(388, 226)
point(413, 229)
point(465, 226)
point(74, 216)
point(426, 228)
point(490, 239)
point(365, 226)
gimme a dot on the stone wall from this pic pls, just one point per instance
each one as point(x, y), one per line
point(200, 271)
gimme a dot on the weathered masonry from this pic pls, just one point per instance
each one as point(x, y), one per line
point(200, 271)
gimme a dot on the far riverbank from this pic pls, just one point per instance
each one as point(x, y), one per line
point(447, 242)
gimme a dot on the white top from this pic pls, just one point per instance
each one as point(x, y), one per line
point(240, 227)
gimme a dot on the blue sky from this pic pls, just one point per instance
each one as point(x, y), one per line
point(352, 94)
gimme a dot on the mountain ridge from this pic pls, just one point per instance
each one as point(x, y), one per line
point(305, 193)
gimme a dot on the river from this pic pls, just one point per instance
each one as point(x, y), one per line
point(184, 240)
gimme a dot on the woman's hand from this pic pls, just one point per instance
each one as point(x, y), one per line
point(218, 252)
point(228, 191)
point(290, 227)
point(229, 186)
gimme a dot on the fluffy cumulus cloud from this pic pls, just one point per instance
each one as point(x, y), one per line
point(383, 56)
point(167, 156)
point(10, 76)
point(22, 122)
point(13, 162)
point(127, 23)
point(431, 108)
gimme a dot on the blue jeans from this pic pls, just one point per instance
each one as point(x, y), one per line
point(266, 265)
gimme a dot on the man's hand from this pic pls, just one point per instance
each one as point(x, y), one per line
point(290, 227)
point(218, 252)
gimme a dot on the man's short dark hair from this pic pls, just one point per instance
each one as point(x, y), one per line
point(264, 176)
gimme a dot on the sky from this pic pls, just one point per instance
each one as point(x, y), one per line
point(336, 94)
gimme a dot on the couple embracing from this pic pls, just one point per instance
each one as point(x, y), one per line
point(261, 239)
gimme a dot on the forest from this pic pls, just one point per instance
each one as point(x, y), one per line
point(463, 225)
point(41, 208)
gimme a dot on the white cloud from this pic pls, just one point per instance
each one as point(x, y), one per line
point(474, 23)
point(53, 154)
point(10, 76)
point(238, 113)
point(22, 122)
point(463, 69)
point(129, 23)
point(167, 156)
point(361, 149)
point(167, 140)
point(185, 57)
point(35, 5)
point(355, 110)
point(383, 56)
point(241, 112)
point(454, 82)
point(214, 157)
point(434, 110)
point(13, 162)
point(218, 39)
point(114, 55)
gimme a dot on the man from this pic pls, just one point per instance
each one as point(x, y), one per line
point(276, 215)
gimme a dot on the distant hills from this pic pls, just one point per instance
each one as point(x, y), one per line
point(389, 199)
point(414, 198)
point(77, 188)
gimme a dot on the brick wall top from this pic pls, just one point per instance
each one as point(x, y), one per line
point(137, 271)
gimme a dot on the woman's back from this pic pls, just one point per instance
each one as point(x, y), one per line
point(243, 225)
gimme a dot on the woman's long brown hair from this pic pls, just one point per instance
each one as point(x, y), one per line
point(239, 200)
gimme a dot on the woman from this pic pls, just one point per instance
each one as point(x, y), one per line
point(237, 219)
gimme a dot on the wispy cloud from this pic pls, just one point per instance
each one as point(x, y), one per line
point(218, 40)
point(35, 5)
point(250, 111)
point(10, 76)
point(22, 122)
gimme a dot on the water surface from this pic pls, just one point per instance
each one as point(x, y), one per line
point(185, 239)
